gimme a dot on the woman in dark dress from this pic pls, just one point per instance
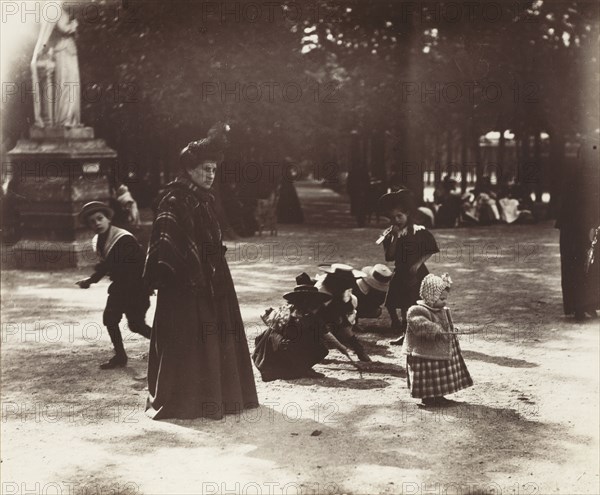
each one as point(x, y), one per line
point(199, 364)
point(579, 215)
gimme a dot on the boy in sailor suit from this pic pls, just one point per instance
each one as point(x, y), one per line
point(122, 259)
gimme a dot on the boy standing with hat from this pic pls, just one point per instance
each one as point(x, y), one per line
point(122, 259)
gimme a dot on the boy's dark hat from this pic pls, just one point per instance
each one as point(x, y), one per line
point(397, 199)
point(94, 207)
point(341, 272)
point(304, 279)
point(306, 294)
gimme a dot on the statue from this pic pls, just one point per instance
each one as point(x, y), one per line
point(57, 100)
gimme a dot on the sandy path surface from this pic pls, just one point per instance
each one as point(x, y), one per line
point(528, 426)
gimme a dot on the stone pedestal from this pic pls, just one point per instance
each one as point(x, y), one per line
point(54, 173)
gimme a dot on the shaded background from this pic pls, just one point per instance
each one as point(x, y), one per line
point(411, 90)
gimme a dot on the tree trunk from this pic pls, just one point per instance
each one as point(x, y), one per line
point(378, 154)
point(464, 147)
point(556, 168)
point(536, 166)
point(501, 171)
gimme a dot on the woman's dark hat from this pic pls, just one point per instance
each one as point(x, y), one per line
point(306, 294)
point(402, 199)
point(94, 207)
point(211, 148)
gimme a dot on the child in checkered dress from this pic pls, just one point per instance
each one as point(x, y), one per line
point(435, 366)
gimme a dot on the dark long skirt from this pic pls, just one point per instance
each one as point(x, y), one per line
point(403, 291)
point(580, 289)
point(199, 364)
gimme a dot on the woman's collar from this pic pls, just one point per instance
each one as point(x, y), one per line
point(202, 194)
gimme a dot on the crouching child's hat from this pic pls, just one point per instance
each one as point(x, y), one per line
point(306, 294)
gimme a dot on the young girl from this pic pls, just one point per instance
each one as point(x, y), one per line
point(434, 363)
point(409, 246)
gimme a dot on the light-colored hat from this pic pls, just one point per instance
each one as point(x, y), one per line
point(378, 277)
point(342, 270)
point(433, 286)
point(340, 277)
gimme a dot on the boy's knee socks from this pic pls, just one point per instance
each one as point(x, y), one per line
point(115, 336)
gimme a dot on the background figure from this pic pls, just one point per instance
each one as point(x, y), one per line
point(578, 214)
point(358, 190)
point(448, 200)
point(128, 207)
point(199, 364)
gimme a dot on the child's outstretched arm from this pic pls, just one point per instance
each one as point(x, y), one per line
point(99, 271)
point(330, 339)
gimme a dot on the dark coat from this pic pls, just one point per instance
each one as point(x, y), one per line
point(199, 364)
point(579, 211)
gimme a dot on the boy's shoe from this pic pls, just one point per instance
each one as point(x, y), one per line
point(398, 341)
point(117, 361)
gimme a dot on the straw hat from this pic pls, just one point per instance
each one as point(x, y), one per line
point(377, 277)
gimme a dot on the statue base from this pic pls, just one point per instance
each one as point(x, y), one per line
point(52, 175)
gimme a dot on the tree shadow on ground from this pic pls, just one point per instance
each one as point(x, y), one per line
point(372, 446)
point(374, 367)
point(353, 383)
point(499, 360)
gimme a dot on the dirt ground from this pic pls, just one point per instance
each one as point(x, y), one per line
point(528, 426)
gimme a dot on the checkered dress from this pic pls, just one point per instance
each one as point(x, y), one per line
point(434, 378)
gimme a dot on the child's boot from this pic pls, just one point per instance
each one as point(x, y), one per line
point(120, 357)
